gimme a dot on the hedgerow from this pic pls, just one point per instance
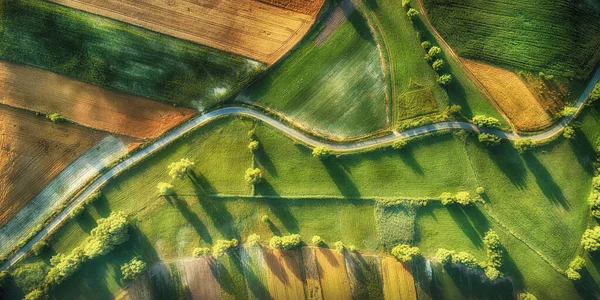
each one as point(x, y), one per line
point(462, 198)
point(489, 139)
point(484, 121)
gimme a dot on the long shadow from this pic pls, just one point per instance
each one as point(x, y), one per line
point(341, 179)
point(461, 218)
point(545, 181)
point(219, 215)
point(275, 267)
point(477, 218)
point(200, 182)
point(85, 221)
point(282, 211)
point(508, 160)
point(408, 157)
point(265, 188)
point(584, 150)
point(587, 287)
point(101, 206)
point(265, 161)
point(474, 285)
point(357, 20)
point(257, 288)
point(191, 217)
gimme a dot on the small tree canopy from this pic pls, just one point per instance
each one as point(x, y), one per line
point(178, 169)
point(321, 152)
point(590, 241)
point(523, 145)
point(133, 268)
point(253, 176)
point(164, 188)
point(445, 79)
point(405, 253)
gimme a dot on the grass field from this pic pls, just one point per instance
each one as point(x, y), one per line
point(558, 37)
point(118, 56)
point(89, 105)
point(335, 89)
point(245, 27)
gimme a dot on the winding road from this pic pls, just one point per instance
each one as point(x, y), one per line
point(294, 134)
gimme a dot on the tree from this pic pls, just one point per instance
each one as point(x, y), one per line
point(426, 45)
point(253, 240)
point(406, 3)
point(590, 241)
point(265, 219)
point(432, 53)
point(339, 247)
point(110, 232)
point(317, 240)
point(39, 247)
point(493, 248)
point(221, 246)
point(489, 139)
point(165, 189)
point(438, 64)
point(569, 132)
point(405, 253)
point(55, 118)
point(253, 176)
point(253, 145)
point(285, 242)
point(36, 294)
point(133, 268)
point(201, 251)
point(63, 266)
point(483, 121)
point(480, 190)
point(595, 94)
point(444, 256)
point(527, 296)
point(399, 144)
point(568, 111)
point(572, 274)
point(523, 145)
point(4, 277)
point(321, 152)
point(445, 80)
point(412, 13)
point(178, 169)
point(575, 266)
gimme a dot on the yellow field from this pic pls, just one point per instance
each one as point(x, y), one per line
point(398, 282)
point(311, 272)
point(512, 96)
point(284, 274)
point(332, 271)
point(250, 28)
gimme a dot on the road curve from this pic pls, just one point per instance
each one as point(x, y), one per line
point(294, 134)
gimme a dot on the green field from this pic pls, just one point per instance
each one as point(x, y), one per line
point(336, 89)
point(557, 37)
point(119, 56)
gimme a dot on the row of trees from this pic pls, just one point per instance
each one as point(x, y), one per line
point(461, 198)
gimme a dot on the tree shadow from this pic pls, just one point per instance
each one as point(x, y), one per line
point(462, 220)
point(474, 285)
point(220, 216)
point(200, 182)
point(341, 179)
point(101, 205)
point(282, 211)
point(265, 188)
point(191, 217)
point(508, 160)
point(85, 221)
point(544, 180)
point(275, 267)
point(584, 150)
point(357, 20)
point(263, 159)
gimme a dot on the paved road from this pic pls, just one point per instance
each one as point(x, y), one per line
point(293, 133)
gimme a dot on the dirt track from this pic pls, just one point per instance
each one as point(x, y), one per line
point(250, 28)
point(43, 91)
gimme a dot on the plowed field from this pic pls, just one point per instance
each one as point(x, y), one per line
point(398, 282)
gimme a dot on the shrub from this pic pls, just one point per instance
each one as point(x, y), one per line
point(109, 232)
point(253, 176)
point(36, 294)
point(55, 118)
point(483, 121)
point(39, 247)
point(405, 253)
point(523, 145)
point(253, 145)
point(133, 268)
point(254, 240)
point(93, 197)
point(165, 189)
point(178, 169)
point(462, 198)
point(265, 219)
point(444, 80)
point(480, 190)
point(221, 246)
point(412, 13)
point(321, 152)
point(568, 111)
point(399, 144)
point(572, 274)
point(339, 247)
point(438, 64)
point(489, 139)
point(201, 251)
point(352, 248)
point(317, 240)
point(590, 241)
point(426, 45)
point(569, 132)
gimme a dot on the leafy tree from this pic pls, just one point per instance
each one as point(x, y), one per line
point(254, 240)
point(432, 53)
point(405, 253)
point(493, 248)
point(445, 80)
point(523, 145)
point(177, 170)
point(591, 239)
point(253, 176)
point(253, 145)
point(339, 247)
point(575, 266)
point(488, 139)
point(110, 232)
point(412, 13)
point(78, 210)
point(39, 247)
point(165, 189)
point(483, 121)
point(572, 274)
point(352, 248)
point(568, 111)
point(55, 118)
point(321, 152)
point(265, 219)
point(426, 45)
point(438, 64)
point(492, 273)
point(399, 144)
point(133, 268)
point(286, 242)
point(480, 190)
point(466, 259)
point(569, 132)
point(201, 251)
point(221, 246)
point(444, 256)
point(317, 240)
point(63, 266)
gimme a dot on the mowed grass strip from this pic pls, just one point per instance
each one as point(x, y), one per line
point(119, 56)
point(398, 282)
point(335, 89)
point(559, 37)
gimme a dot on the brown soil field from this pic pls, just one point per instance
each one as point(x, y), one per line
point(551, 94)
point(42, 91)
point(201, 281)
point(511, 94)
point(284, 274)
point(308, 7)
point(32, 152)
point(398, 282)
point(332, 271)
point(251, 28)
point(311, 272)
